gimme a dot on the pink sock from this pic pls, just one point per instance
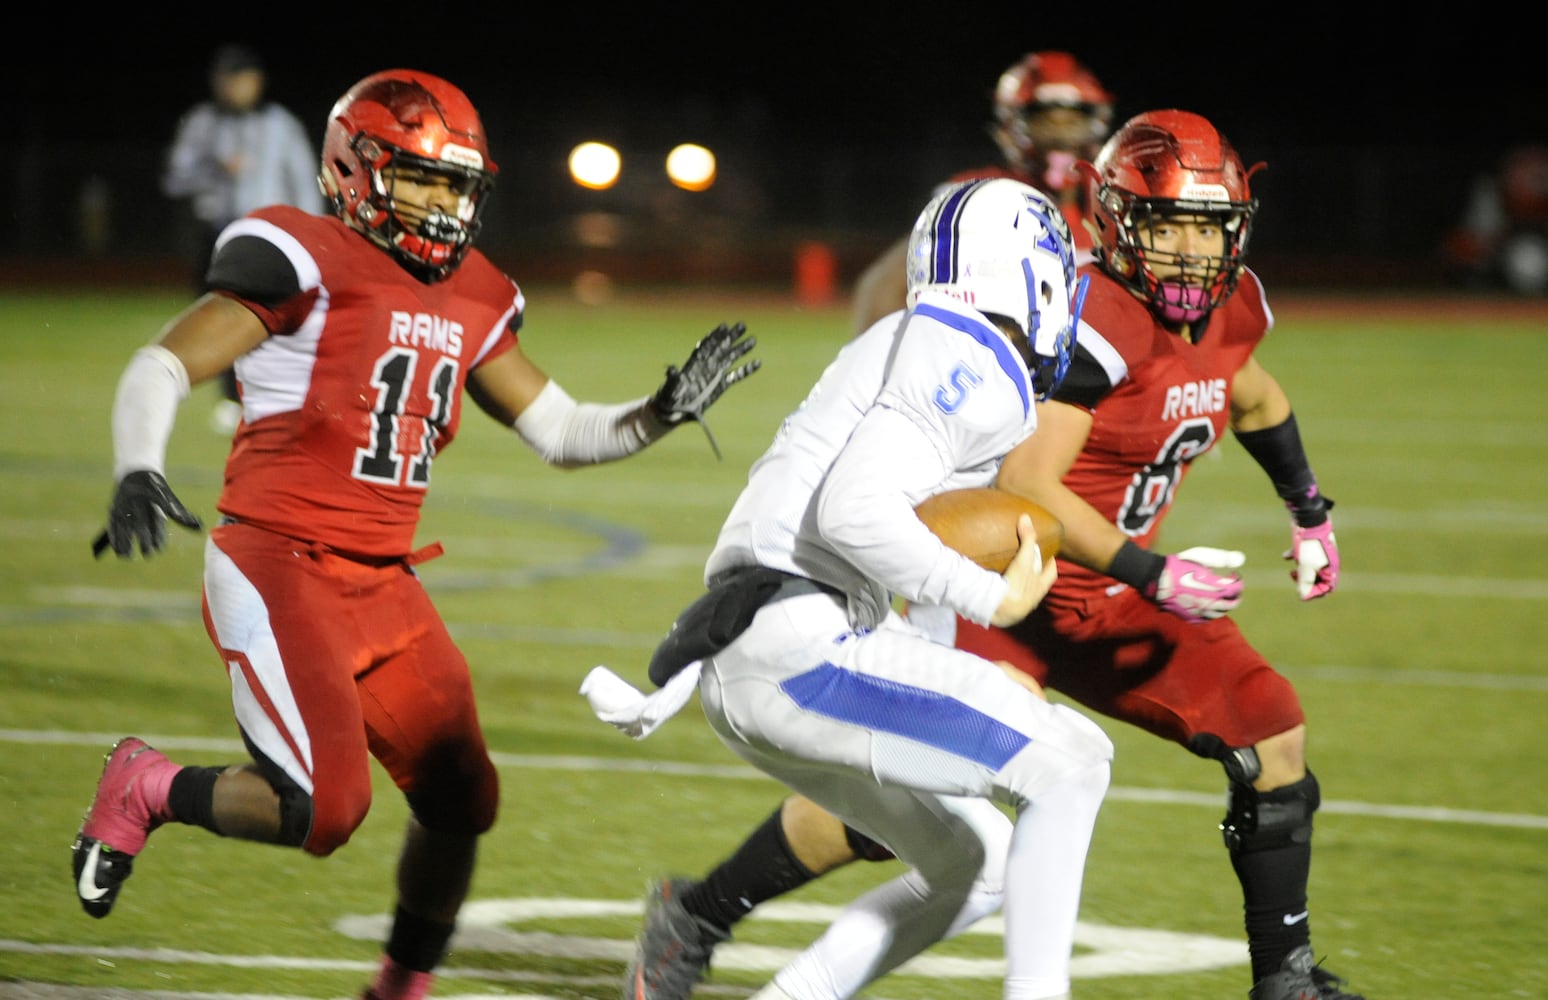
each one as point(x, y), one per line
point(395, 982)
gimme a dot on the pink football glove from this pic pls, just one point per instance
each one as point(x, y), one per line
point(1315, 554)
point(1191, 589)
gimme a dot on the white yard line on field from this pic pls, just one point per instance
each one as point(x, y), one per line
point(544, 762)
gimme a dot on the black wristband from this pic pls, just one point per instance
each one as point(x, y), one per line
point(1138, 567)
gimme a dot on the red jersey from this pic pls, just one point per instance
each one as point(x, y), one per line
point(360, 382)
point(1157, 403)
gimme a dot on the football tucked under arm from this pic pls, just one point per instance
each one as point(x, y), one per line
point(980, 523)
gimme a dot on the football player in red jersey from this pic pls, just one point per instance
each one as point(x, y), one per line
point(353, 336)
point(1164, 367)
point(1050, 111)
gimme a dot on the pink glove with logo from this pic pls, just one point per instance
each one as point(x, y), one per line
point(1190, 587)
point(1315, 554)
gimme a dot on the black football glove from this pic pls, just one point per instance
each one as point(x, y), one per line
point(709, 371)
point(141, 505)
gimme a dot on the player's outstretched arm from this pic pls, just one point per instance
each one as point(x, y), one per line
point(571, 434)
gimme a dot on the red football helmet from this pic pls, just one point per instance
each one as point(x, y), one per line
point(1049, 110)
point(403, 124)
point(1167, 164)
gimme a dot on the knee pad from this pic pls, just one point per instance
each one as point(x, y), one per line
point(459, 801)
point(1261, 821)
point(295, 805)
point(864, 847)
point(295, 813)
point(1241, 764)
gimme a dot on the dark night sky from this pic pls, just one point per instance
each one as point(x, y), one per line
point(1325, 73)
point(1321, 91)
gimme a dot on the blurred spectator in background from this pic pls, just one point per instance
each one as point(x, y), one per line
point(231, 154)
point(1502, 239)
point(1049, 112)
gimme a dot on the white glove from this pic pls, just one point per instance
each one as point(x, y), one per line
point(621, 705)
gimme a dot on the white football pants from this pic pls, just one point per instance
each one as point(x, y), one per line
point(912, 743)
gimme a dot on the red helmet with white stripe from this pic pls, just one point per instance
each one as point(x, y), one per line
point(406, 162)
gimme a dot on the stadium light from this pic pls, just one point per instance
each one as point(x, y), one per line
point(691, 167)
point(595, 165)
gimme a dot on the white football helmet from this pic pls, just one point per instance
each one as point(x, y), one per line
point(1003, 248)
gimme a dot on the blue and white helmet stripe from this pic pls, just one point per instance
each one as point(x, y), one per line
point(948, 217)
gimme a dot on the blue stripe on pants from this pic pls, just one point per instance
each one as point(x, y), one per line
point(928, 717)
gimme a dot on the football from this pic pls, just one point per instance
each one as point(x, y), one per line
point(980, 523)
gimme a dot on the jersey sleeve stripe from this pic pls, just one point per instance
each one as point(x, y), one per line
point(1102, 351)
point(1013, 367)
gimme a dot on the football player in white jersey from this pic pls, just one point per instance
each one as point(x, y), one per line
point(808, 673)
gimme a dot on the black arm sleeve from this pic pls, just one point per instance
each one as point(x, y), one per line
point(1279, 450)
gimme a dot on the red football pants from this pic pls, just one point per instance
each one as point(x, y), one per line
point(333, 661)
point(1126, 658)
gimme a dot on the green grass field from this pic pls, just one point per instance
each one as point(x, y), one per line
point(1423, 678)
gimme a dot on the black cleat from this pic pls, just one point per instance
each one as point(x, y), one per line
point(1299, 978)
point(673, 952)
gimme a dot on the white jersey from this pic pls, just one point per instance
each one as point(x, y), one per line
point(912, 743)
point(922, 402)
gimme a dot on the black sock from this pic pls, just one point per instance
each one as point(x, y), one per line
point(761, 869)
point(417, 943)
point(1274, 898)
point(191, 796)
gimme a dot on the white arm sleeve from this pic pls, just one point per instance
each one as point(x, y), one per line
point(570, 434)
point(144, 409)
